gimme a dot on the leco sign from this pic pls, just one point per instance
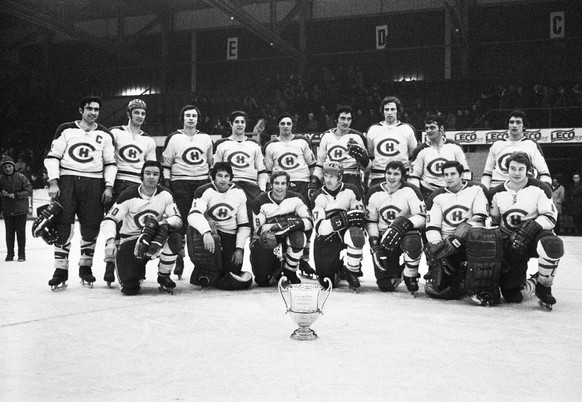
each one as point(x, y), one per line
point(562, 135)
point(466, 137)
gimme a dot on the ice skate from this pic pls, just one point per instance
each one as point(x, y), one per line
point(545, 298)
point(204, 282)
point(291, 277)
point(352, 279)
point(86, 276)
point(179, 267)
point(485, 299)
point(109, 276)
point(59, 279)
point(306, 270)
point(166, 284)
point(411, 283)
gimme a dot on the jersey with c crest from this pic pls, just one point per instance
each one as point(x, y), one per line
point(131, 151)
point(335, 149)
point(389, 143)
point(295, 157)
point(383, 207)
point(187, 157)
point(427, 161)
point(533, 201)
point(447, 210)
point(132, 208)
point(245, 157)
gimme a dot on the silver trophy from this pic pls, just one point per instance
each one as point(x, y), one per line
point(304, 304)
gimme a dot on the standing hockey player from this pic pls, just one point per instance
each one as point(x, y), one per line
point(219, 230)
point(292, 153)
point(281, 219)
point(524, 209)
point(395, 214)
point(346, 146)
point(457, 239)
point(338, 215)
point(132, 148)
point(496, 166)
point(81, 170)
point(149, 220)
point(186, 158)
point(428, 158)
point(389, 140)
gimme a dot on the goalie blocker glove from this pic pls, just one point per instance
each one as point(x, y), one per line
point(524, 235)
point(343, 219)
point(396, 232)
point(145, 238)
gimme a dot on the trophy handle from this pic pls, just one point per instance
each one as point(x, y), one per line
point(283, 278)
point(328, 291)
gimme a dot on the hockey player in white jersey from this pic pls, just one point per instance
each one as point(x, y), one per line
point(132, 148)
point(389, 140)
point(496, 166)
point(186, 158)
point(338, 213)
point(148, 221)
point(395, 214)
point(81, 170)
point(219, 229)
point(524, 209)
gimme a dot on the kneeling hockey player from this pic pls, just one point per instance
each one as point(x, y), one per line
point(338, 214)
point(149, 221)
point(219, 229)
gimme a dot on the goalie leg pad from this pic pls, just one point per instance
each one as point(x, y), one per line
point(326, 255)
point(484, 259)
point(411, 244)
point(231, 281)
point(206, 264)
point(551, 247)
point(355, 237)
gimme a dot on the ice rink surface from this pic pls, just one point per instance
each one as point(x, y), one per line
point(96, 344)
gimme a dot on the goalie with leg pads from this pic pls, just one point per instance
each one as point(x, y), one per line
point(207, 265)
point(43, 226)
point(484, 260)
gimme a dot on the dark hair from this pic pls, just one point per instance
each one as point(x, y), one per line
point(342, 109)
point(390, 99)
point(221, 167)
point(152, 163)
point(397, 165)
point(283, 115)
point(189, 107)
point(435, 118)
point(236, 114)
point(449, 164)
point(519, 157)
point(518, 113)
point(89, 99)
point(279, 173)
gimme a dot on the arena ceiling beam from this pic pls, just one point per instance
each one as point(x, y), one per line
point(254, 25)
point(34, 17)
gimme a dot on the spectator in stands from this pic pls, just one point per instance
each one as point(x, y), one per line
point(575, 203)
point(558, 194)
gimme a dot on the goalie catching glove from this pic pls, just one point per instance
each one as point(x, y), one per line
point(449, 246)
point(358, 153)
point(524, 235)
point(345, 219)
point(396, 232)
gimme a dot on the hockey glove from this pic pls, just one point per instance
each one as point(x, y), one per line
point(110, 250)
point(313, 186)
point(378, 253)
point(358, 153)
point(395, 232)
point(524, 235)
point(288, 224)
point(46, 215)
point(339, 221)
point(159, 241)
point(356, 217)
point(145, 238)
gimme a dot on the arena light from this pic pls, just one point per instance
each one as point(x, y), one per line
point(139, 90)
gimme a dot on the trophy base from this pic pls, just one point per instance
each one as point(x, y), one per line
point(304, 334)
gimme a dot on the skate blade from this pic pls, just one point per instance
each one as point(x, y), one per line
point(167, 290)
point(87, 284)
point(545, 306)
point(354, 290)
point(59, 287)
point(480, 302)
